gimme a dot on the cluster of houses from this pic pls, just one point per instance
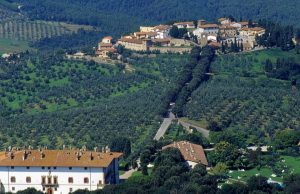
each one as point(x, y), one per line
point(158, 37)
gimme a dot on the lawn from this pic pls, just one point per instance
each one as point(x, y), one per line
point(200, 123)
point(292, 162)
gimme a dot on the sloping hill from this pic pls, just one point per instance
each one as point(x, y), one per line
point(124, 15)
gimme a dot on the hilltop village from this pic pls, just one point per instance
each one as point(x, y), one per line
point(181, 36)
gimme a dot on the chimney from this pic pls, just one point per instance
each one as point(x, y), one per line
point(91, 156)
point(95, 149)
point(64, 147)
point(42, 154)
point(12, 155)
point(25, 154)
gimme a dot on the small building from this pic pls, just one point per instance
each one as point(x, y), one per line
point(201, 22)
point(240, 25)
point(187, 25)
point(105, 48)
point(143, 35)
point(146, 29)
point(224, 21)
point(256, 31)
point(57, 171)
point(162, 42)
point(193, 154)
point(207, 28)
point(107, 39)
point(227, 31)
point(163, 31)
point(135, 44)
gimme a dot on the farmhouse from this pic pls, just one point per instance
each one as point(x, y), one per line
point(227, 31)
point(256, 31)
point(105, 47)
point(192, 153)
point(163, 31)
point(57, 171)
point(207, 28)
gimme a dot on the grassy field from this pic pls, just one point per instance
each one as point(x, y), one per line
point(291, 162)
point(8, 45)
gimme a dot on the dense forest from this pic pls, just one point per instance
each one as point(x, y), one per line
point(119, 17)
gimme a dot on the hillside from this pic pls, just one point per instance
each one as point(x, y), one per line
point(240, 100)
point(118, 16)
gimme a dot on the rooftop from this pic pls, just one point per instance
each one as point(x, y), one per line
point(129, 40)
point(209, 26)
point(190, 152)
point(184, 23)
point(59, 158)
point(108, 37)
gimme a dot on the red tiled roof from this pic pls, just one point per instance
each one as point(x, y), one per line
point(60, 158)
point(106, 44)
point(108, 37)
point(184, 23)
point(134, 41)
point(209, 26)
point(190, 152)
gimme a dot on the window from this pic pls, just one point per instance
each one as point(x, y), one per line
point(70, 190)
point(12, 167)
point(43, 167)
point(13, 179)
point(86, 180)
point(28, 179)
point(55, 189)
point(54, 167)
point(70, 180)
point(49, 180)
point(49, 168)
point(85, 168)
point(44, 188)
point(43, 180)
point(27, 167)
point(55, 180)
point(70, 168)
point(13, 188)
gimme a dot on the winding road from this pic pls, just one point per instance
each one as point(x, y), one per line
point(168, 121)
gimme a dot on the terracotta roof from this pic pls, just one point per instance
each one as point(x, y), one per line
point(243, 23)
point(214, 44)
point(134, 41)
point(113, 50)
point(209, 26)
point(59, 158)
point(108, 37)
point(105, 44)
point(184, 23)
point(253, 29)
point(190, 152)
point(161, 27)
point(227, 27)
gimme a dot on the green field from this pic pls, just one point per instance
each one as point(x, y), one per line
point(8, 46)
point(291, 162)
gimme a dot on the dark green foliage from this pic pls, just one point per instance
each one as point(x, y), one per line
point(291, 183)
point(121, 144)
point(81, 39)
point(276, 35)
point(30, 191)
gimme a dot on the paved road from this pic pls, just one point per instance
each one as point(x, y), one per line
point(164, 126)
point(127, 174)
point(187, 125)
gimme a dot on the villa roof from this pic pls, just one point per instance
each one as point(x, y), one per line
point(108, 37)
point(161, 27)
point(105, 44)
point(184, 23)
point(129, 40)
point(209, 26)
point(190, 152)
point(59, 158)
point(257, 29)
